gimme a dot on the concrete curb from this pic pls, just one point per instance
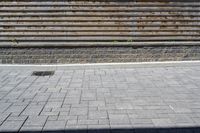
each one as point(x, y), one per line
point(103, 65)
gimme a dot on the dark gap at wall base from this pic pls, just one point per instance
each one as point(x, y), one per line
point(69, 55)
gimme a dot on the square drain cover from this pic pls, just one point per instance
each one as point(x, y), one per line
point(43, 73)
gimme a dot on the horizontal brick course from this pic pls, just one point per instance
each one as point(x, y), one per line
point(97, 54)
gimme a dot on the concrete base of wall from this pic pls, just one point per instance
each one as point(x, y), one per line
point(66, 55)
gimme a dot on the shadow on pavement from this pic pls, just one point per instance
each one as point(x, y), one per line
point(120, 130)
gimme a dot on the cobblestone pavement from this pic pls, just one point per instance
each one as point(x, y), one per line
point(100, 98)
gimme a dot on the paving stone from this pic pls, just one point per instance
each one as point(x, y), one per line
point(11, 126)
point(60, 95)
point(64, 113)
point(182, 110)
point(53, 89)
point(15, 109)
point(82, 104)
point(13, 95)
point(88, 96)
point(64, 117)
point(53, 118)
point(78, 111)
point(97, 115)
point(38, 121)
point(180, 118)
point(32, 129)
point(141, 121)
point(97, 127)
point(82, 117)
point(54, 125)
point(17, 118)
point(28, 95)
point(49, 113)
point(87, 122)
point(72, 122)
point(83, 128)
point(53, 104)
point(72, 100)
point(32, 110)
point(119, 119)
point(162, 122)
point(124, 106)
point(104, 122)
point(4, 106)
point(4, 116)
point(196, 120)
point(144, 126)
point(41, 97)
point(96, 103)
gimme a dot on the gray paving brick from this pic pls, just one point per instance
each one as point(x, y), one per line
point(17, 118)
point(120, 127)
point(32, 110)
point(144, 126)
point(53, 89)
point(31, 129)
point(87, 122)
point(4, 116)
point(64, 117)
point(180, 118)
point(60, 95)
point(4, 106)
point(196, 120)
point(49, 113)
point(52, 118)
point(87, 95)
point(76, 127)
point(27, 95)
point(16, 109)
point(82, 104)
point(38, 121)
point(53, 104)
point(97, 115)
point(41, 97)
point(163, 122)
point(6, 89)
point(96, 103)
point(104, 122)
point(141, 121)
point(72, 100)
point(11, 126)
point(13, 95)
point(124, 106)
point(62, 109)
point(78, 111)
point(97, 127)
point(72, 122)
point(64, 113)
point(181, 109)
point(54, 125)
point(82, 117)
point(119, 119)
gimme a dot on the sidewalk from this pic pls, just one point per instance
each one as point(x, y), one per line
point(110, 98)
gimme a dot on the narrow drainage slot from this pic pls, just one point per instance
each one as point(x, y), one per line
point(42, 73)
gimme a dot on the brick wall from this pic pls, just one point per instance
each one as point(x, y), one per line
point(97, 54)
